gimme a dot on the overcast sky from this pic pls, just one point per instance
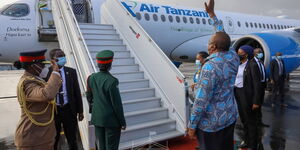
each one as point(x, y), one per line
point(272, 8)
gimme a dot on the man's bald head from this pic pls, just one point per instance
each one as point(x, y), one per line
point(221, 40)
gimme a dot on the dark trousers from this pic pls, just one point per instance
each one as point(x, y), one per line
point(278, 90)
point(221, 140)
point(68, 120)
point(248, 118)
point(262, 97)
point(108, 138)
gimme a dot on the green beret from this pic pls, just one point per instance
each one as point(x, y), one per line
point(105, 57)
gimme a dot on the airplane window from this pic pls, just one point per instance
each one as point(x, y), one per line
point(271, 26)
point(247, 24)
point(268, 26)
point(264, 26)
point(278, 26)
point(177, 19)
point(191, 20)
point(155, 18)
point(184, 19)
point(16, 10)
point(275, 26)
point(147, 16)
point(203, 21)
point(197, 20)
point(138, 16)
point(259, 25)
point(163, 18)
point(239, 24)
point(255, 24)
point(282, 27)
point(251, 24)
point(170, 18)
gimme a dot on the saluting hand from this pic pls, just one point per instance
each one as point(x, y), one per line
point(54, 66)
point(210, 8)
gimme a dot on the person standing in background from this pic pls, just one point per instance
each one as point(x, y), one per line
point(247, 93)
point(258, 56)
point(68, 101)
point(277, 76)
point(200, 60)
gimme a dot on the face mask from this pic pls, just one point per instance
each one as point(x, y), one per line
point(279, 57)
point(44, 72)
point(61, 61)
point(242, 57)
point(260, 55)
point(198, 63)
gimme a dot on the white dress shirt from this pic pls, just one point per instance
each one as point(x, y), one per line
point(280, 66)
point(64, 84)
point(239, 80)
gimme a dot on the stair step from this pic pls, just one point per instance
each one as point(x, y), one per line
point(107, 47)
point(134, 84)
point(141, 104)
point(96, 26)
point(124, 68)
point(123, 61)
point(103, 42)
point(137, 93)
point(149, 140)
point(98, 31)
point(129, 75)
point(145, 130)
point(100, 36)
point(117, 54)
point(146, 115)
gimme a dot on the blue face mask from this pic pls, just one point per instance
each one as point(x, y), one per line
point(260, 55)
point(61, 61)
point(279, 57)
point(198, 63)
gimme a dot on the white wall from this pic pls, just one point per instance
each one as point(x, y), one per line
point(96, 4)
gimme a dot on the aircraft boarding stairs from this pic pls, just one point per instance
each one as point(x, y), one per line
point(154, 97)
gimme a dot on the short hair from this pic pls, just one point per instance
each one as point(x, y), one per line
point(104, 67)
point(203, 54)
point(223, 41)
point(53, 52)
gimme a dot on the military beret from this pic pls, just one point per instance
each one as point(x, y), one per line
point(105, 57)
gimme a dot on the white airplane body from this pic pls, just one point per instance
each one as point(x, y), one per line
point(181, 32)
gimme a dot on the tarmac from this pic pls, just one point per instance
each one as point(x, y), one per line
point(283, 133)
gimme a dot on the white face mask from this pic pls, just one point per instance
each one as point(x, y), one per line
point(44, 72)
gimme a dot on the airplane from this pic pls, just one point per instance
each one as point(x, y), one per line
point(181, 32)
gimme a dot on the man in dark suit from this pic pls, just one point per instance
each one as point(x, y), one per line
point(258, 57)
point(68, 101)
point(247, 94)
point(277, 76)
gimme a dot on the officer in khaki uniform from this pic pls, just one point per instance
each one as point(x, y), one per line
point(36, 129)
point(105, 100)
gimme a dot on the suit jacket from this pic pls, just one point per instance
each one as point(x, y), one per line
point(261, 75)
point(37, 98)
point(251, 83)
point(73, 90)
point(104, 95)
point(274, 70)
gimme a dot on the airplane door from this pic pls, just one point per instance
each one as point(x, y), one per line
point(229, 24)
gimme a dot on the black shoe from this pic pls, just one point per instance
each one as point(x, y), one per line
point(243, 145)
point(264, 125)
